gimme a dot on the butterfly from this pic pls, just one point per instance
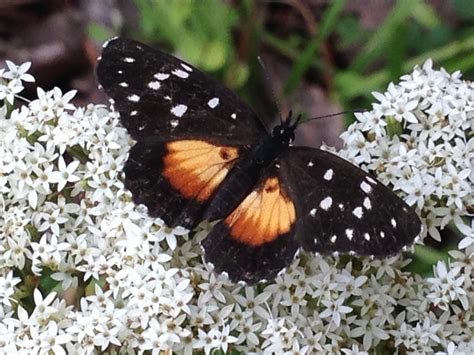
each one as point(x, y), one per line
point(202, 154)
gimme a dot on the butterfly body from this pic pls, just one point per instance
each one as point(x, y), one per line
point(202, 154)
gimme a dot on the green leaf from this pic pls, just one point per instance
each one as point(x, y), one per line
point(99, 32)
point(307, 56)
point(213, 56)
point(350, 32)
point(377, 44)
point(464, 9)
point(424, 259)
point(424, 14)
point(47, 284)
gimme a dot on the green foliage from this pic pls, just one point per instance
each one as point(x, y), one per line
point(47, 284)
point(307, 55)
point(199, 31)
point(98, 32)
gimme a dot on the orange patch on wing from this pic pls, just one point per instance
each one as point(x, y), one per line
point(196, 168)
point(263, 215)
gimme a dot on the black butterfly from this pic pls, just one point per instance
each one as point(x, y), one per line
point(203, 154)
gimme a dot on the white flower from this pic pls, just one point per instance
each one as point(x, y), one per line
point(51, 339)
point(254, 303)
point(65, 173)
point(142, 286)
point(18, 73)
point(335, 310)
point(226, 339)
point(247, 331)
point(9, 91)
point(446, 286)
point(207, 341)
point(354, 350)
point(468, 235)
point(62, 101)
point(18, 250)
point(7, 288)
point(43, 308)
point(169, 234)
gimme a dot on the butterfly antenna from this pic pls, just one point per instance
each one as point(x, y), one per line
point(276, 99)
point(336, 114)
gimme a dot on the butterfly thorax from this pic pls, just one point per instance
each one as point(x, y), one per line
point(245, 175)
point(270, 147)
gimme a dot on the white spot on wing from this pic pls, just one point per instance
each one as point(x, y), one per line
point(161, 76)
point(382, 235)
point(213, 102)
point(180, 73)
point(312, 212)
point(155, 85)
point(133, 113)
point(119, 71)
point(128, 59)
point(328, 174)
point(124, 85)
point(367, 203)
point(233, 116)
point(369, 179)
point(310, 163)
point(326, 203)
point(333, 239)
point(187, 67)
point(174, 123)
point(341, 206)
point(367, 236)
point(349, 233)
point(358, 212)
point(365, 187)
point(179, 110)
point(394, 222)
point(133, 98)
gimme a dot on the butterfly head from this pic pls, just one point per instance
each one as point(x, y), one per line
point(285, 131)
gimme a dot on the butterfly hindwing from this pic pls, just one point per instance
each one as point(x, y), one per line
point(256, 240)
point(341, 208)
point(163, 97)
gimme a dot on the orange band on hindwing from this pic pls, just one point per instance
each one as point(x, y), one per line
point(264, 215)
point(196, 168)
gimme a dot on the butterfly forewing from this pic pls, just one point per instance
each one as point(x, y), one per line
point(177, 179)
point(161, 97)
point(341, 208)
point(190, 130)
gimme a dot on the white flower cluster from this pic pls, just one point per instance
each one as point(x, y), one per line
point(83, 270)
point(418, 139)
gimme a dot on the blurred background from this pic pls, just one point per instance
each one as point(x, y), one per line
point(320, 56)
